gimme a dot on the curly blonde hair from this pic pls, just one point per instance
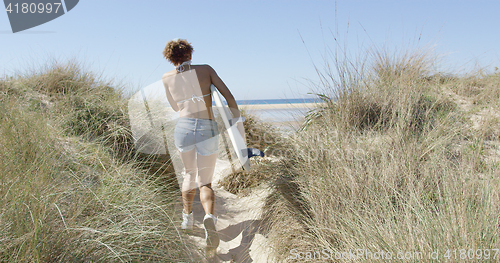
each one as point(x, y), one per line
point(177, 51)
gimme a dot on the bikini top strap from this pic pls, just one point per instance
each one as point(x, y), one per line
point(195, 98)
point(181, 67)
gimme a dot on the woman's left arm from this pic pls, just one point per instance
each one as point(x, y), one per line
point(171, 100)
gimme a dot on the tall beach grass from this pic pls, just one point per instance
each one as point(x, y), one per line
point(398, 159)
point(72, 189)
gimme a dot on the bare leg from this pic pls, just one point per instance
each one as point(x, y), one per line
point(207, 198)
point(187, 200)
point(189, 182)
point(206, 167)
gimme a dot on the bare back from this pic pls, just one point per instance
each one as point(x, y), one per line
point(189, 92)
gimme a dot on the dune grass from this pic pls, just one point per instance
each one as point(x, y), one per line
point(71, 187)
point(263, 136)
point(398, 159)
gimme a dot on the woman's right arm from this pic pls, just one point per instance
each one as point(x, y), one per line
point(219, 84)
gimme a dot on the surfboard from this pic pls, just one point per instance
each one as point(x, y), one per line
point(237, 140)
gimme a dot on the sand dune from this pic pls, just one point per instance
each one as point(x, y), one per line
point(238, 223)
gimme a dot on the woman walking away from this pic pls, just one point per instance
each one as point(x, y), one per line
point(196, 132)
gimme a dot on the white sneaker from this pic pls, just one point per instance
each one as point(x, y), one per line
point(187, 220)
point(211, 235)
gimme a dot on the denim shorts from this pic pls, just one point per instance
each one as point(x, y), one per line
point(202, 134)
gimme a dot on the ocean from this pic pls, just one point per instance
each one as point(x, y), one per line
point(284, 114)
point(277, 101)
point(279, 115)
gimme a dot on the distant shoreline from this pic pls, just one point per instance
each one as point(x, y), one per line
point(279, 101)
point(278, 106)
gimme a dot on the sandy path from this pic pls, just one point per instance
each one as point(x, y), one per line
point(238, 223)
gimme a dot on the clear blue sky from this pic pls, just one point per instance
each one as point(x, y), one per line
point(255, 46)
